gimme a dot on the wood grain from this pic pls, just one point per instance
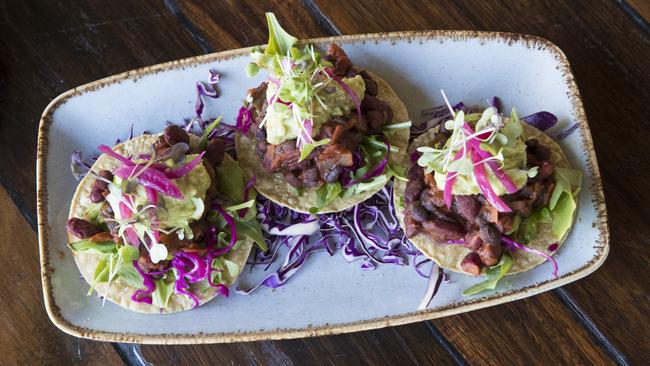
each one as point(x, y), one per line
point(28, 336)
point(233, 24)
point(642, 7)
point(405, 345)
point(609, 54)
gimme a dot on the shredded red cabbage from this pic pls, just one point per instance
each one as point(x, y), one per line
point(564, 134)
point(202, 90)
point(193, 267)
point(513, 245)
point(233, 230)
point(541, 120)
point(368, 232)
point(151, 178)
point(143, 296)
point(244, 120)
point(496, 103)
point(247, 190)
point(377, 170)
point(78, 166)
point(108, 151)
point(185, 169)
point(432, 287)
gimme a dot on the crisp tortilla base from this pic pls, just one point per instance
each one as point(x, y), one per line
point(119, 291)
point(449, 256)
point(276, 188)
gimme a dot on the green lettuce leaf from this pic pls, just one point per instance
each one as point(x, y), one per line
point(327, 193)
point(225, 271)
point(252, 230)
point(563, 203)
point(308, 148)
point(104, 247)
point(280, 42)
point(164, 290)
point(128, 253)
point(565, 178)
point(230, 180)
point(527, 228)
point(130, 275)
point(493, 275)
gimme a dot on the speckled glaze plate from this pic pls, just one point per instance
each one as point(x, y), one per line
point(328, 295)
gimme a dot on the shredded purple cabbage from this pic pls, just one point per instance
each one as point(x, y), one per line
point(513, 245)
point(541, 120)
point(431, 117)
point(78, 166)
point(564, 134)
point(432, 287)
point(377, 170)
point(202, 90)
point(368, 232)
point(244, 120)
point(496, 103)
point(247, 190)
point(150, 286)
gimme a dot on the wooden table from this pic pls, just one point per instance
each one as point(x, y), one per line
point(48, 47)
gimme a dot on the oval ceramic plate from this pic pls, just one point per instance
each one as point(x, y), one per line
point(328, 295)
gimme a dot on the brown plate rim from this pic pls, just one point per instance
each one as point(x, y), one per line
point(530, 41)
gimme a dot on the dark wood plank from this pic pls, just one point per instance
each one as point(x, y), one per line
point(532, 331)
point(50, 47)
point(642, 7)
point(609, 54)
point(28, 337)
point(233, 24)
point(404, 345)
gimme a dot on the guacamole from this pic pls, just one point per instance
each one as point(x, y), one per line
point(284, 123)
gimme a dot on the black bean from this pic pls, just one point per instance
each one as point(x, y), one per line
point(174, 134)
point(215, 151)
point(371, 87)
point(81, 228)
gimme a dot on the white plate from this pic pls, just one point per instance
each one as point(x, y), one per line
point(328, 295)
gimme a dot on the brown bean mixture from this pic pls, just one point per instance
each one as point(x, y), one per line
point(471, 219)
